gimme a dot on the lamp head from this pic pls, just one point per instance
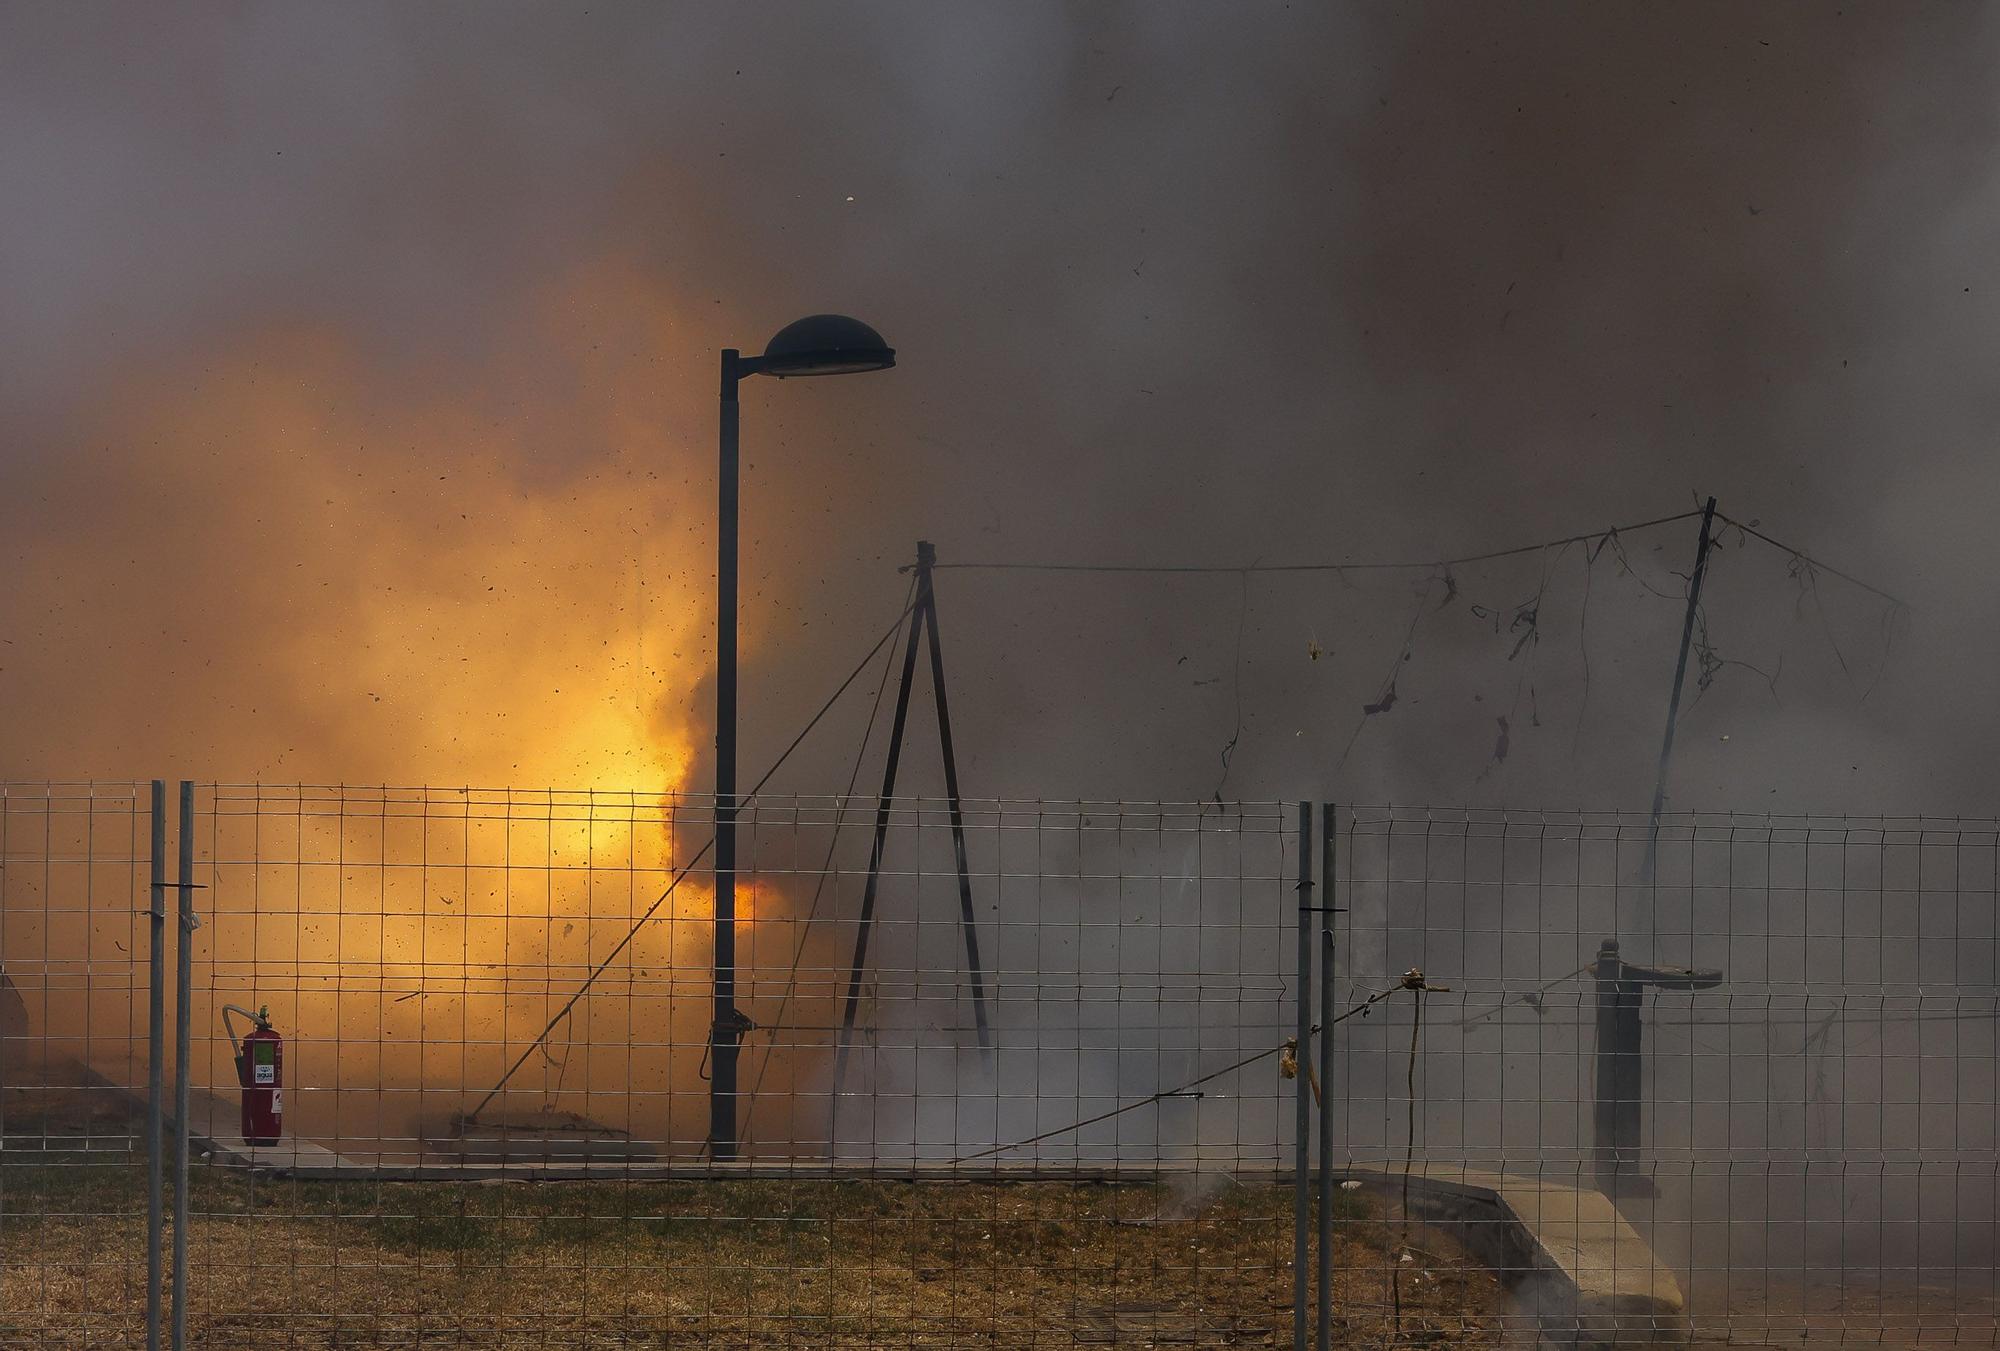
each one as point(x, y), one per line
point(825, 344)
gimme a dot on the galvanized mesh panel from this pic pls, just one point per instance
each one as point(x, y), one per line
point(1808, 1142)
point(75, 943)
point(1768, 1115)
point(413, 945)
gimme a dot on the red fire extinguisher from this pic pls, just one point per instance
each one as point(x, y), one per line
point(260, 1069)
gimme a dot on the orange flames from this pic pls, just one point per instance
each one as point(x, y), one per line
point(292, 565)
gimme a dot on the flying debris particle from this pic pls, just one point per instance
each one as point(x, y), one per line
point(1313, 650)
point(1382, 705)
point(1500, 743)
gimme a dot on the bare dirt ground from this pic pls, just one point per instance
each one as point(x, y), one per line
point(277, 1263)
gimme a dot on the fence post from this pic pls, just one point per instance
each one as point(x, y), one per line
point(1302, 1133)
point(183, 982)
point(156, 1048)
point(1324, 1339)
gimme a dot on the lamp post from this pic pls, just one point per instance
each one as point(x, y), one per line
point(821, 344)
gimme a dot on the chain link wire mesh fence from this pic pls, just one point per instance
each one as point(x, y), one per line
point(1774, 1058)
point(76, 945)
point(1767, 1115)
point(495, 1012)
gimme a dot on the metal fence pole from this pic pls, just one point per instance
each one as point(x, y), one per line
point(1325, 1312)
point(183, 970)
point(1302, 1133)
point(155, 1057)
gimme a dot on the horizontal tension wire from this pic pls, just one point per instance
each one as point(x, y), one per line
point(1325, 567)
point(1809, 560)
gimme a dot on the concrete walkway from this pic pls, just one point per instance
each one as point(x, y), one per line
point(1572, 1261)
point(215, 1125)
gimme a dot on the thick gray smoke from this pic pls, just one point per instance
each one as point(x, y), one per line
point(1170, 284)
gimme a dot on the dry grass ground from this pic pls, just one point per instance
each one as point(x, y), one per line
point(764, 1263)
point(277, 1263)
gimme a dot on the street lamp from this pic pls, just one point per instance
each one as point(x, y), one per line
point(820, 344)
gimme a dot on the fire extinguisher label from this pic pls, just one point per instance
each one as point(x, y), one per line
point(267, 1074)
point(263, 1066)
point(277, 1102)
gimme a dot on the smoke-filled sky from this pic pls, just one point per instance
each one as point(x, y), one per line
point(357, 374)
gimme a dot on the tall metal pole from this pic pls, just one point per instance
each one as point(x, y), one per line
point(725, 1031)
point(183, 1041)
point(1323, 1340)
point(156, 1055)
point(1302, 1127)
point(1674, 701)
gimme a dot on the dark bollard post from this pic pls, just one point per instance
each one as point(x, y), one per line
point(1621, 985)
point(1618, 1084)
